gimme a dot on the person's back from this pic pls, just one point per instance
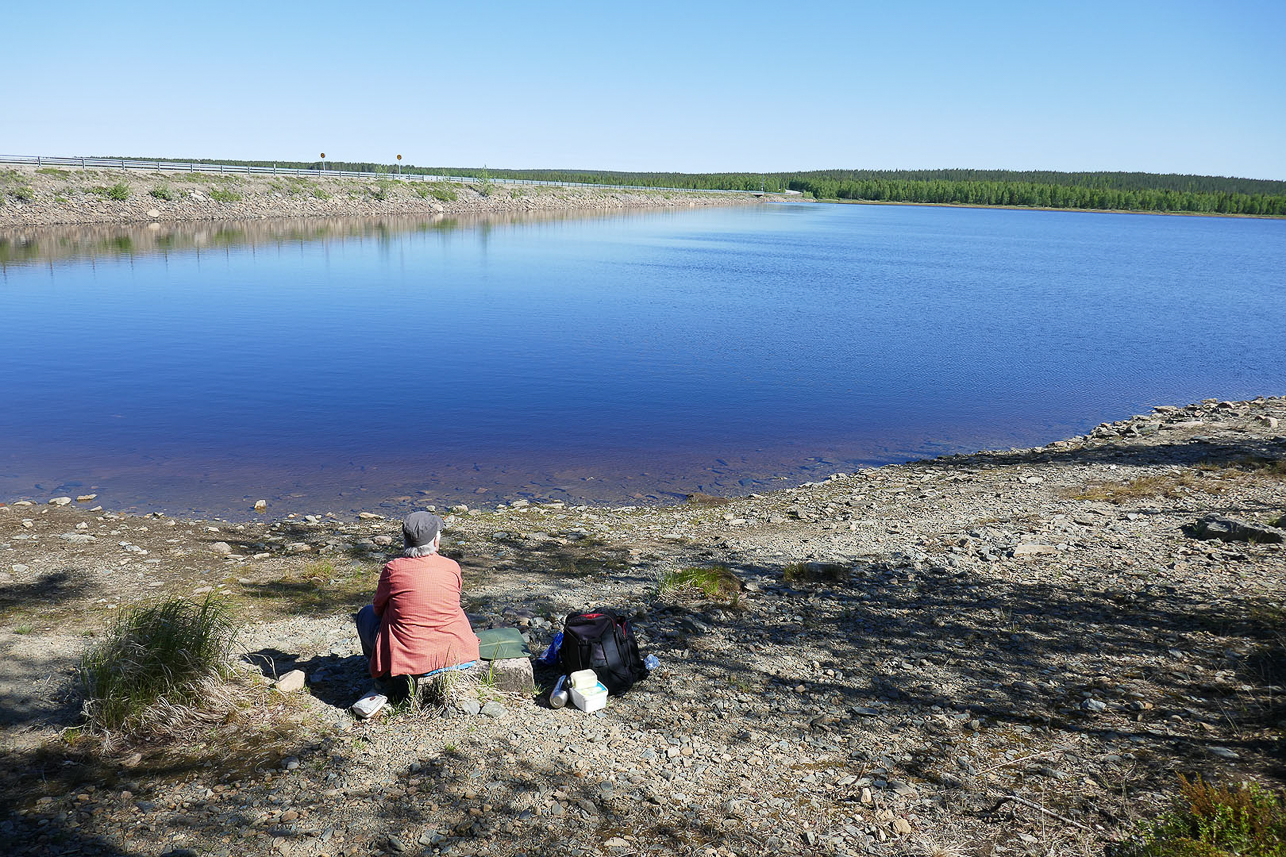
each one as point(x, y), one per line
point(422, 626)
point(415, 624)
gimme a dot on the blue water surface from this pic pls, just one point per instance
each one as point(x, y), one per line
point(604, 358)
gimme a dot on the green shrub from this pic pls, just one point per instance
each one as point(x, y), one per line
point(802, 572)
point(717, 581)
point(118, 191)
point(219, 194)
point(162, 192)
point(436, 190)
point(1209, 821)
point(165, 656)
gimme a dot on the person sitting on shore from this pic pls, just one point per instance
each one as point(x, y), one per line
point(415, 626)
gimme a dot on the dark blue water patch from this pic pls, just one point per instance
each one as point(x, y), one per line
point(605, 359)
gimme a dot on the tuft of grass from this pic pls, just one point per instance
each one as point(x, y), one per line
point(155, 663)
point(319, 193)
point(382, 190)
point(319, 588)
point(803, 572)
point(1259, 465)
point(162, 192)
point(716, 581)
point(219, 194)
point(1167, 486)
point(23, 193)
point(437, 190)
point(119, 191)
point(51, 171)
point(1207, 477)
point(1215, 821)
point(24, 628)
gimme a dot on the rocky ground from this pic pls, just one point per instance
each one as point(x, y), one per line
point(62, 195)
point(1004, 653)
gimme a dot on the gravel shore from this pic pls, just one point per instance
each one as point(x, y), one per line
point(1011, 652)
point(53, 196)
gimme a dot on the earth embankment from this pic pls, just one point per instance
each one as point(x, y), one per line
point(57, 195)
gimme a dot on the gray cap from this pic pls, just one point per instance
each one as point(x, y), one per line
point(420, 528)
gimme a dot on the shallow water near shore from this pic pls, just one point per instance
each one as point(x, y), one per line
point(337, 366)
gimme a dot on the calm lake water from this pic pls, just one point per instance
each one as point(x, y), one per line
point(337, 366)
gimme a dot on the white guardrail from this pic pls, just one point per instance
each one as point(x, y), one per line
point(233, 169)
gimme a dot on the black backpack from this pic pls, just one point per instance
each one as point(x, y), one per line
point(605, 643)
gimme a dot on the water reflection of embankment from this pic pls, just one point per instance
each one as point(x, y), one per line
point(90, 242)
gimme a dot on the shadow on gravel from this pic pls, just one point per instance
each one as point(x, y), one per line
point(453, 791)
point(28, 836)
point(1148, 669)
point(27, 701)
point(1188, 452)
point(49, 590)
point(1249, 455)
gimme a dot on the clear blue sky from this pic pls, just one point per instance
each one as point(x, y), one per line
point(1182, 87)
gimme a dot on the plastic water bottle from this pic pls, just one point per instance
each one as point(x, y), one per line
point(559, 696)
point(651, 662)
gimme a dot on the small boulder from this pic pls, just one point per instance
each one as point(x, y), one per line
point(291, 682)
point(60, 501)
point(261, 505)
point(1026, 550)
point(1234, 530)
point(221, 548)
point(509, 674)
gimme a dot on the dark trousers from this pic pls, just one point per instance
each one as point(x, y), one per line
point(368, 625)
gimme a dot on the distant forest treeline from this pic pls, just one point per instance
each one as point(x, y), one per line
point(1092, 190)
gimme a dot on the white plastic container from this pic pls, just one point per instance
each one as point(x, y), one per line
point(590, 698)
point(583, 679)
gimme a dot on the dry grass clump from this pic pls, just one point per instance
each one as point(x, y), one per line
point(716, 581)
point(1167, 486)
point(159, 668)
point(1246, 820)
point(1207, 478)
point(450, 689)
